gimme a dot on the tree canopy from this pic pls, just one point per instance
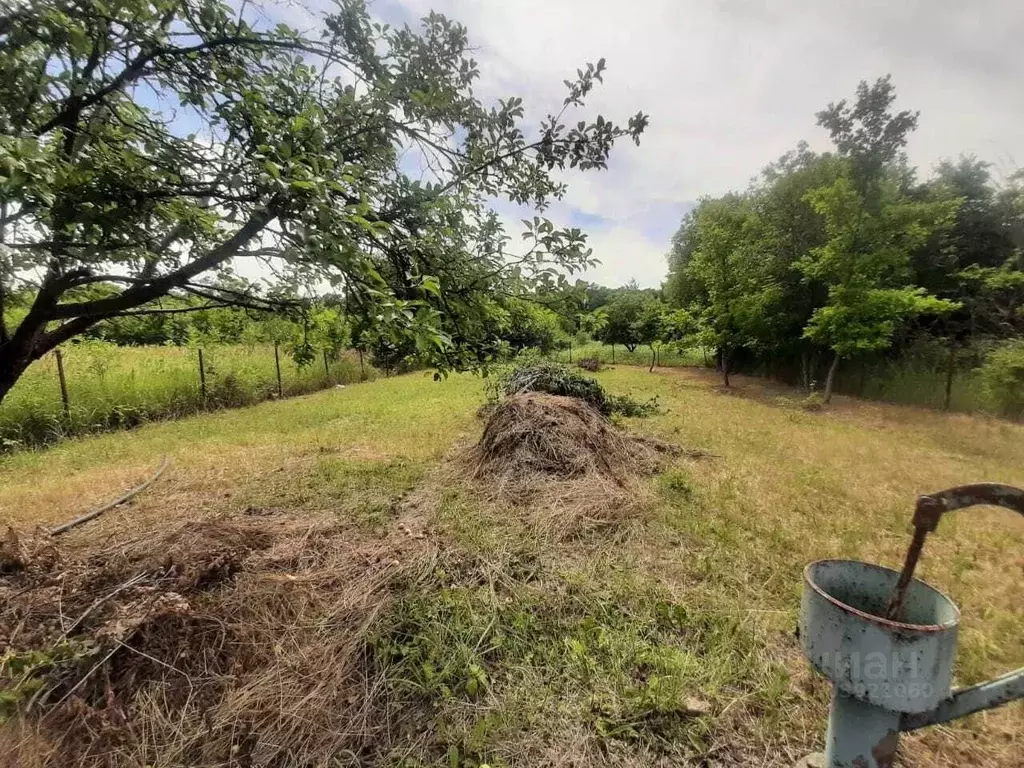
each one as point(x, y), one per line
point(149, 145)
point(845, 253)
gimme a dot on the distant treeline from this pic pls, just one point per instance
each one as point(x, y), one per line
point(848, 256)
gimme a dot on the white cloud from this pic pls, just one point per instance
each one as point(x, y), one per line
point(732, 84)
point(626, 254)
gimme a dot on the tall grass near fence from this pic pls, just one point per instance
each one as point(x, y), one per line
point(909, 382)
point(668, 356)
point(111, 387)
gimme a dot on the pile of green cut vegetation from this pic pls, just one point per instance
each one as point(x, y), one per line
point(559, 379)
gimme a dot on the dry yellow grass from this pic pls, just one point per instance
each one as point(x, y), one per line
point(794, 486)
point(230, 459)
point(720, 547)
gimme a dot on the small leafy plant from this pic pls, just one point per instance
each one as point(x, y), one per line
point(1003, 374)
point(531, 374)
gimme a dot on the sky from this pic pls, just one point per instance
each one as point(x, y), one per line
point(732, 84)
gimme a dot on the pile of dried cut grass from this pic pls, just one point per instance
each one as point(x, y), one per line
point(565, 461)
point(230, 642)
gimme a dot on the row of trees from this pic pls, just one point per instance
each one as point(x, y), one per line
point(307, 328)
point(846, 254)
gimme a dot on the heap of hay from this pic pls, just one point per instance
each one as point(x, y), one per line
point(560, 437)
point(563, 460)
point(232, 642)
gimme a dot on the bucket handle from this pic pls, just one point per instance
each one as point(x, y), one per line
point(930, 508)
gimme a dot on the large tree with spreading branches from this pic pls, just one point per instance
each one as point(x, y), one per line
point(149, 145)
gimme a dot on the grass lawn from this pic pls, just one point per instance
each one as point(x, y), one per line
point(668, 639)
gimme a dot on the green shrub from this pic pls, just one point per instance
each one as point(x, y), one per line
point(627, 406)
point(1003, 376)
point(531, 374)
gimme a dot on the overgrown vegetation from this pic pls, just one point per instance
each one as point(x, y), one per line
point(1003, 376)
point(111, 387)
point(628, 672)
point(530, 373)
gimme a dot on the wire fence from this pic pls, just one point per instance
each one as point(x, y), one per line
point(95, 386)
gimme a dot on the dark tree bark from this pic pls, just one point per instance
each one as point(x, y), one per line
point(950, 373)
point(830, 380)
point(35, 335)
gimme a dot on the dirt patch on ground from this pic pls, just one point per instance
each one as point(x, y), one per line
point(230, 642)
point(563, 462)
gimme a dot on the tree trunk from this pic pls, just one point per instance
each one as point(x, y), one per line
point(805, 370)
point(950, 373)
point(830, 380)
point(654, 357)
point(28, 343)
point(613, 354)
point(10, 372)
point(724, 360)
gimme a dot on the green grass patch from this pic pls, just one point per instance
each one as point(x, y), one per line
point(360, 490)
point(511, 656)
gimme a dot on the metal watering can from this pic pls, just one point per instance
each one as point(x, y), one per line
point(887, 641)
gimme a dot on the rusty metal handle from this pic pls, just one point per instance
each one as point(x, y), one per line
point(930, 509)
point(993, 494)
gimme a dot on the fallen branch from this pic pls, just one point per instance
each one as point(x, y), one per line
point(120, 500)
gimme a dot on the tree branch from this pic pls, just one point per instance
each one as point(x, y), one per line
point(137, 68)
point(142, 293)
point(171, 310)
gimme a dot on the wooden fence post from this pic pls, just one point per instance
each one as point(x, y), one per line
point(327, 368)
point(570, 351)
point(202, 374)
point(362, 371)
point(947, 399)
point(63, 385)
point(277, 365)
